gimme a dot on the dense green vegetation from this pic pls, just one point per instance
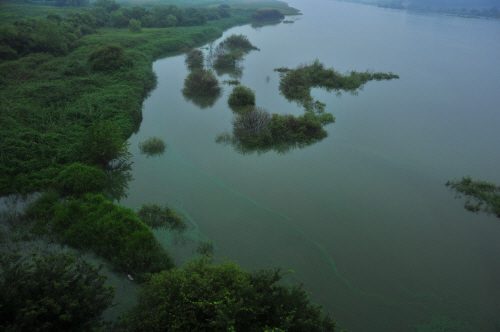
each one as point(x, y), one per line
point(51, 293)
point(195, 58)
point(480, 195)
point(153, 146)
point(156, 217)
point(296, 84)
point(110, 231)
point(201, 82)
point(268, 15)
point(72, 86)
point(53, 92)
point(255, 129)
point(223, 297)
point(241, 96)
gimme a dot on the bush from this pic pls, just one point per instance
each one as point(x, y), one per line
point(155, 217)
point(103, 142)
point(268, 15)
point(134, 26)
point(109, 57)
point(51, 293)
point(195, 58)
point(222, 297)
point(238, 41)
point(201, 82)
point(228, 59)
point(153, 146)
point(79, 179)
point(241, 96)
point(110, 231)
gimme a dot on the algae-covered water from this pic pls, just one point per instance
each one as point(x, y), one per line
point(362, 217)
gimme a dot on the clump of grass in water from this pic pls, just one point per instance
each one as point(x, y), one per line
point(153, 146)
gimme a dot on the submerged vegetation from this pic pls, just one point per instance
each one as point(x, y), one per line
point(156, 217)
point(153, 146)
point(241, 96)
point(296, 84)
point(201, 82)
point(480, 195)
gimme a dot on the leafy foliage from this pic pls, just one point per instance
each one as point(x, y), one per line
point(153, 146)
point(104, 142)
point(241, 96)
point(201, 82)
point(156, 217)
point(95, 224)
point(222, 297)
point(109, 58)
point(480, 195)
point(51, 293)
point(195, 58)
point(268, 15)
point(79, 179)
point(296, 84)
point(241, 42)
point(256, 129)
point(134, 26)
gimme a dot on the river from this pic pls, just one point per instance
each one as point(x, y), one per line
point(363, 217)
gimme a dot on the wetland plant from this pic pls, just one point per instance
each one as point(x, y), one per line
point(480, 195)
point(194, 58)
point(241, 96)
point(156, 217)
point(201, 82)
point(153, 146)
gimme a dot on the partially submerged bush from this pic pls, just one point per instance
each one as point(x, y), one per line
point(268, 15)
point(480, 195)
point(103, 142)
point(238, 42)
point(201, 82)
point(110, 57)
point(195, 58)
point(110, 231)
point(156, 217)
point(79, 179)
point(296, 84)
point(228, 59)
point(153, 146)
point(241, 96)
point(256, 128)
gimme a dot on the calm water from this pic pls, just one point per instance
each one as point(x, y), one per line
point(363, 217)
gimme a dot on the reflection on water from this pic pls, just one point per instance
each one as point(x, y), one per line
point(202, 101)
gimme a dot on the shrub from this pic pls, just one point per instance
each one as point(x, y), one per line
point(268, 14)
point(228, 59)
point(110, 231)
point(79, 179)
point(155, 217)
point(103, 142)
point(252, 127)
point(241, 96)
point(153, 146)
point(238, 41)
point(201, 82)
point(51, 293)
point(109, 57)
point(134, 26)
point(195, 58)
point(223, 297)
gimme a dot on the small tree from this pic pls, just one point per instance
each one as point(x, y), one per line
point(195, 58)
point(241, 96)
point(109, 57)
point(201, 82)
point(222, 297)
point(51, 293)
point(134, 26)
point(103, 142)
